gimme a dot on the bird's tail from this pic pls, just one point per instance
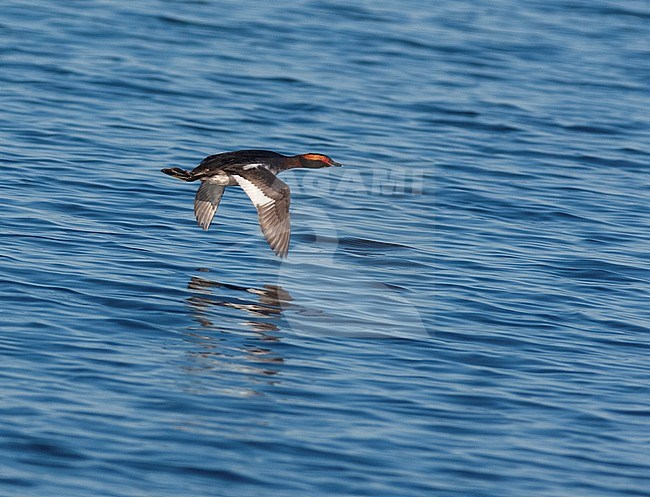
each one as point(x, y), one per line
point(179, 173)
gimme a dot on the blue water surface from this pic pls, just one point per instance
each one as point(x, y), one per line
point(464, 310)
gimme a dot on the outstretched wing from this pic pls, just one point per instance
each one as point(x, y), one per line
point(206, 202)
point(271, 197)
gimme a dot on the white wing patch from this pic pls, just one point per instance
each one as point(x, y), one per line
point(251, 166)
point(255, 194)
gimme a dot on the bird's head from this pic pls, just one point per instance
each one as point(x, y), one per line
point(316, 161)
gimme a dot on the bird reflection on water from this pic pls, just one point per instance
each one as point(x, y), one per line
point(231, 349)
point(271, 299)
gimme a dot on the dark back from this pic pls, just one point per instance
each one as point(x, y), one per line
point(217, 162)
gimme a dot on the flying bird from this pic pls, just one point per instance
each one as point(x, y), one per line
point(255, 172)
